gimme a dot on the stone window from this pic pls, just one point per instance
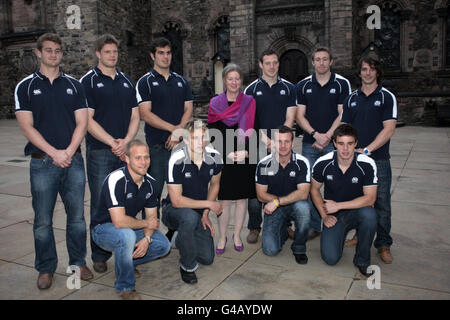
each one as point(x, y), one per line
point(172, 31)
point(387, 38)
point(222, 51)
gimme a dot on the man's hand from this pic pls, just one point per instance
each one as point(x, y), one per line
point(61, 158)
point(329, 221)
point(270, 207)
point(322, 139)
point(331, 206)
point(317, 146)
point(360, 150)
point(141, 248)
point(118, 148)
point(238, 156)
point(152, 223)
point(216, 207)
point(207, 223)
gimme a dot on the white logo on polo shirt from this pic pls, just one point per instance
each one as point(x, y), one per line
point(292, 174)
point(377, 103)
point(355, 180)
point(333, 91)
point(100, 85)
point(129, 196)
point(37, 91)
point(353, 104)
point(126, 85)
point(330, 177)
point(180, 85)
point(148, 195)
point(187, 175)
point(309, 91)
point(283, 92)
point(70, 91)
point(155, 84)
point(259, 93)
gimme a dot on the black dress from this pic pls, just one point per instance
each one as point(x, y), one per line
point(238, 179)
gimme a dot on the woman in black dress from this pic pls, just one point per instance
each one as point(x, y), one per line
point(232, 113)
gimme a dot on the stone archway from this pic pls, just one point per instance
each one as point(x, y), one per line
point(293, 65)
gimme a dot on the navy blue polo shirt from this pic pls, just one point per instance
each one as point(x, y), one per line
point(167, 99)
point(53, 106)
point(321, 102)
point(271, 102)
point(112, 100)
point(120, 191)
point(341, 187)
point(194, 181)
point(367, 114)
point(283, 181)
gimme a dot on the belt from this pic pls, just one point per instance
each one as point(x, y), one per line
point(36, 155)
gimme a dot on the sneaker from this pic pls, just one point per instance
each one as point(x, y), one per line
point(301, 258)
point(253, 236)
point(385, 255)
point(130, 295)
point(188, 277)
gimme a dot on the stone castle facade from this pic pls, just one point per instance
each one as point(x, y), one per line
point(413, 41)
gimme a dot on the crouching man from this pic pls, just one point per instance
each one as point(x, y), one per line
point(350, 180)
point(125, 192)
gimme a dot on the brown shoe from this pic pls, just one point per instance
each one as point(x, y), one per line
point(313, 234)
point(290, 233)
point(100, 266)
point(44, 281)
point(85, 273)
point(130, 295)
point(352, 242)
point(137, 274)
point(253, 236)
point(385, 255)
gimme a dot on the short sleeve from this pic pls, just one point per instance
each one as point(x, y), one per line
point(80, 101)
point(389, 107)
point(143, 91)
point(151, 202)
point(303, 175)
point(347, 112)
point(113, 192)
point(317, 172)
point(174, 173)
point(345, 91)
point(261, 175)
point(301, 98)
point(22, 100)
point(292, 97)
point(89, 92)
point(370, 170)
point(187, 91)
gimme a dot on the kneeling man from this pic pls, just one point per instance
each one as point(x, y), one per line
point(283, 183)
point(350, 192)
point(124, 194)
point(193, 183)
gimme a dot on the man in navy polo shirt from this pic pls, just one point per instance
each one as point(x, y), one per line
point(113, 122)
point(124, 194)
point(52, 114)
point(320, 97)
point(276, 104)
point(350, 180)
point(282, 183)
point(165, 104)
point(372, 110)
point(193, 181)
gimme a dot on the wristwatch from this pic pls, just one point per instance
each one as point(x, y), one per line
point(367, 152)
point(149, 239)
point(312, 133)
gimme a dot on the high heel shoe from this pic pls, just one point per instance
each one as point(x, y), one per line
point(221, 251)
point(238, 248)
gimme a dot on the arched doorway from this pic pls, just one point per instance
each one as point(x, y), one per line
point(293, 66)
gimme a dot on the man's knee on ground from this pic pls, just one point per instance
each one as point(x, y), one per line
point(331, 259)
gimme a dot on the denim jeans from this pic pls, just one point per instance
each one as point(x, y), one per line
point(383, 204)
point(122, 242)
point(194, 243)
point(47, 180)
point(99, 163)
point(254, 214)
point(332, 240)
point(274, 229)
point(312, 155)
point(159, 161)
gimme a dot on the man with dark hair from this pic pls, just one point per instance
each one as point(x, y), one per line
point(52, 114)
point(275, 105)
point(125, 192)
point(165, 104)
point(193, 182)
point(372, 110)
point(350, 180)
point(282, 183)
point(320, 97)
point(113, 122)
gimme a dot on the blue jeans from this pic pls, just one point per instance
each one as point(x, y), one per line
point(254, 214)
point(47, 180)
point(159, 161)
point(194, 243)
point(312, 155)
point(122, 242)
point(99, 163)
point(274, 229)
point(383, 204)
point(332, 240)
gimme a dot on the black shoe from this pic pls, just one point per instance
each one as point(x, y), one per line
point(169, 234)
point(100, 266)
point(364, 272)
point(188, 277)
point(301, 258)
